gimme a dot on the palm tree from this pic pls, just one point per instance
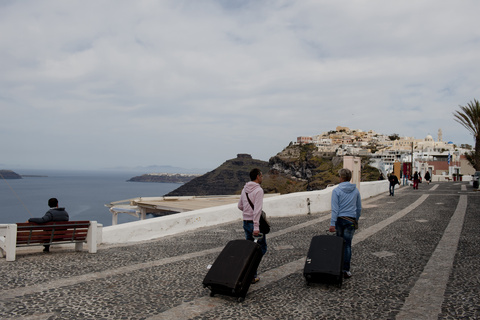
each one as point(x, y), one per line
point(469, 117)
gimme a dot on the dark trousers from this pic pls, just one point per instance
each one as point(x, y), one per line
point(391, 189)
point(248, 228)
point(346, 230)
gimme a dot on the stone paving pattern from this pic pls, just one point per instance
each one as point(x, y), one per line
point(162, 279)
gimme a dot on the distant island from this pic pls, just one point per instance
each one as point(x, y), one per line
point(33, 176)
point(9, 174)
point(165, 177)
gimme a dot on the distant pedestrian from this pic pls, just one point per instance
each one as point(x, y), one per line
point(427, 177)
point(251, 204)
point(393, 182)
point(415, 180)
point(54, 214)
point(346, 210)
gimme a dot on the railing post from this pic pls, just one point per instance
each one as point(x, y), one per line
point(143, 213)
point(92, 237)
point(11, 242)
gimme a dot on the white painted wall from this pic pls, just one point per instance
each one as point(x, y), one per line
point(279, 206)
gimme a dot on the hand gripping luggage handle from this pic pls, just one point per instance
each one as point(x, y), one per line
point(256, 238)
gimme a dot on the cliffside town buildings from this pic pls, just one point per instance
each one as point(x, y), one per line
point(403, 155)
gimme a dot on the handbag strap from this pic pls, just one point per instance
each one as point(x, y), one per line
point(250, 201)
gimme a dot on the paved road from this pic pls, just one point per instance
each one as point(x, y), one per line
point(415, 256)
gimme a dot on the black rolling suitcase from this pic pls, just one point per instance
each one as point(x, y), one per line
point(233, 271)
point(324, 262)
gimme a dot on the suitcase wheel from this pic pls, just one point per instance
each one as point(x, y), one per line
point(241, 299)
point(212, 294)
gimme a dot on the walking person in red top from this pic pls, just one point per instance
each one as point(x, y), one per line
point(415, 180)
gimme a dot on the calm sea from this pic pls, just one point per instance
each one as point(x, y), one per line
point(83, 194)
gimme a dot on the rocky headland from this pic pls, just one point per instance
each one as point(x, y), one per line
point(9, 174)
point(227, 179)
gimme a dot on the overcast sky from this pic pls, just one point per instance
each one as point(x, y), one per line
point(102, 84)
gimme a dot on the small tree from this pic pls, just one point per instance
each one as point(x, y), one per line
point(394, 137)
point(469, 117)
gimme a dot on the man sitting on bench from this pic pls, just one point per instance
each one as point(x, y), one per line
point(54, 214)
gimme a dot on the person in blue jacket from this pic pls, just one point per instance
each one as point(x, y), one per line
point(346, 210)
point(54, 214)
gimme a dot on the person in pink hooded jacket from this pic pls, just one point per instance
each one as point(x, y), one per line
point(251, 215)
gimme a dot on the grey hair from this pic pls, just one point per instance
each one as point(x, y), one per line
point(345, 174)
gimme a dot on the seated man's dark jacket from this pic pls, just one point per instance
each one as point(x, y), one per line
point(54, 214)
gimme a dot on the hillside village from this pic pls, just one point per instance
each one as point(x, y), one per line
point(394, 153)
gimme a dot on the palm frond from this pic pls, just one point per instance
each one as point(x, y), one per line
point(469, 117)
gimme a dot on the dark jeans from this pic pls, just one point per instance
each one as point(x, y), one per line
point(346, 229)
point(248, 228)
point(391, 189)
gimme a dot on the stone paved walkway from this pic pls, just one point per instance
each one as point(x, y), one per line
point(415, 256)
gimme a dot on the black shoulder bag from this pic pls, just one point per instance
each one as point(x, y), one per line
point(264, 225)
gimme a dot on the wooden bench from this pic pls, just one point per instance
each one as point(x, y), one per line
point(50, 233)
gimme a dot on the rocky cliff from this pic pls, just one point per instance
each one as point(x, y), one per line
point(9, 174)
point(229, 178)
point(305, 163)
point(297, 168)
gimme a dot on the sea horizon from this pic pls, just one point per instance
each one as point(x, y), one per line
point(83, 193)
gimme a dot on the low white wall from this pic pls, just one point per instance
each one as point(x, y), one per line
point(443, 177)
point(168, 225)
point(292, 204)
point(370, 189)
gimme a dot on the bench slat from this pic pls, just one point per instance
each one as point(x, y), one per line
point(46, 233)
point(55, 237)
point(48, 243)
point(54, 224)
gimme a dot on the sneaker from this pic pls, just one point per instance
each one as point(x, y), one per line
point(347, 274)
point(255, 280)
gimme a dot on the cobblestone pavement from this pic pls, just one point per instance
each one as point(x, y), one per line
point(415, 256)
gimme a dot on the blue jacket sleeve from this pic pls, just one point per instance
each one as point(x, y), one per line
point(359, 205)
point(335, 208)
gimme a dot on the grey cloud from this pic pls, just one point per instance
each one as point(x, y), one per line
point(221, 77)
